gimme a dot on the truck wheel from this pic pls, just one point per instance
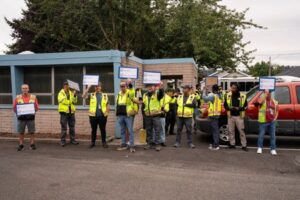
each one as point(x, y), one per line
point(224, 133)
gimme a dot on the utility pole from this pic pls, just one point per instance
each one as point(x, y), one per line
point(270, 67)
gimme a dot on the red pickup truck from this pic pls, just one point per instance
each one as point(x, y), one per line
point(287, 93)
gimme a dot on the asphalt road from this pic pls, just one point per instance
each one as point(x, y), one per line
point(76, 172)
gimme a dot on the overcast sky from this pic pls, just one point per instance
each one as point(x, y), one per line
point(281, 17)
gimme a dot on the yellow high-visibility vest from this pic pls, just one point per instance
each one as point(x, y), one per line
point(153, 107)
point(64, 103)
point(20, 100)
point(184, 111)
point(125, 100)
point(215, 107)
point(165, 102)
point(262, 111)
point(132, 96)
point(93, 104)
point(243, 99)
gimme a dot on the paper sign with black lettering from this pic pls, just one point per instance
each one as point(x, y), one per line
point(90, 80)
point(267, 83)
point(128, 72)
point(151, 77)
point(25, 109)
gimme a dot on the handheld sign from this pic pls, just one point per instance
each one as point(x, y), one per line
point(90, 80)
point(25, 109)
point(128, 72)
point(267, 83)
point(73, 85)
point(151, 77)
point(210, 81)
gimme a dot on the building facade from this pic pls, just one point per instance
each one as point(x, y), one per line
point(45, 74)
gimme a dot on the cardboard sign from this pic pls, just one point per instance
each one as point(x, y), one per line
point(211, 80)
point(151, 77)
point(267, 83)
point(90, 80)
point(128, 72)
point(74, 85)
point(25, 109)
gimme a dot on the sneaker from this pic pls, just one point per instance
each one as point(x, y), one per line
point(74, 142)
point(163, 144)
point(231, 146)
point(32, 147)
point(210, 146)
point(122, 148)
point(63, 143)
point(259, 150)
point(176, 145)
point(214, 148)
point(273, 152)
point(157, 148)
point(104, 145)
point(132, 149)
point(92, 145)
point(192, 146)
point(21, 147)
point(245, 149)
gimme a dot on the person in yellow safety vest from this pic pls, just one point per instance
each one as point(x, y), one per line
point(235, 104)
point(214, 111)
point(267, 115)
point(197, 109)
point(186, 104)
point(98, 112)
point(222, 93)
point(132, 95)
point(66, 108)
point(27, 119)
point(165, 107)
point(152, 112)
point(125, 113)
point(171, 115)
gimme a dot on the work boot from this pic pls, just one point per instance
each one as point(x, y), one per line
point(163, 144)
point(245, 149)
point(231, 146)
point(75, 142)
point(21, 147)
point(32, 147)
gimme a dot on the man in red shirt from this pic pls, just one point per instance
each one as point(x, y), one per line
point(26, 116)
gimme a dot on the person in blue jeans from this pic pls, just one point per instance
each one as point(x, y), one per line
point(268, 113)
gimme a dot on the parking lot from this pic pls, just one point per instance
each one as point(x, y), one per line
point(76, 172)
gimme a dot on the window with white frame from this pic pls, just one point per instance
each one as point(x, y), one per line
point(5, 86)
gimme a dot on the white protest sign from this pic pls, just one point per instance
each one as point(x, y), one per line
point(90, 80)
point(74, 85)
point(151, 77)
point(25, 109)
point(267, 83)
point(128, 72)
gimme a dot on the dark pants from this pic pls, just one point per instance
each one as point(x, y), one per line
point(101, 122)
point(153, 123)
point(214, 123)
point(65, 121)
point(187, 122)
point(170, 122)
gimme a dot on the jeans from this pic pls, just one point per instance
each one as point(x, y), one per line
point(101, 122)
point(271, 130)
point(187, 122)
point(65, 121)
point(162, 131)
point(126, 122)
point(153, 123)
point(214, 123)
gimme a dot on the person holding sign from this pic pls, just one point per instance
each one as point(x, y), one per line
point(99, 109)
point(267, 115)
point(66, 108)
point(25, 106)
point(214, 111)
point(235, 104)
point(153, 111)
point(185, 111)
point(125, 112)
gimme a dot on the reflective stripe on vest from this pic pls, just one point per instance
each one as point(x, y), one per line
point(153, 108)
point(93, 104)
point(215, 108)
point(242, 103)
point(183, 111)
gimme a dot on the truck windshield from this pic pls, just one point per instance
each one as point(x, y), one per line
point(252, 93)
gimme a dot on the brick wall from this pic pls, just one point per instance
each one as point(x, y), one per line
point(6, 121)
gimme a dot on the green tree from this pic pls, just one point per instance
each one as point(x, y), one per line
point(202, 29)
point(262, 69)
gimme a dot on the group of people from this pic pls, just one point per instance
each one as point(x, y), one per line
point(161, 109)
